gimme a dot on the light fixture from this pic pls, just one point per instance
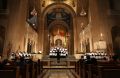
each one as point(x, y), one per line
point(101, 36)
point(40, 52)
point(83, 12)
point(48, 35)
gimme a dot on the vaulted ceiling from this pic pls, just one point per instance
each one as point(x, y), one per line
point(76, 5)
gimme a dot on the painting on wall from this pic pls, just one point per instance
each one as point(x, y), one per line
point(59, 14)
point(29, 46)
point(32, 18)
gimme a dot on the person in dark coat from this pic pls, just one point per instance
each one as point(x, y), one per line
point(58, 56)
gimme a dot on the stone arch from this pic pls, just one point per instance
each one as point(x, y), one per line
point(59, 5)
point(64, 30)
point(58, 22)
point(46, 32)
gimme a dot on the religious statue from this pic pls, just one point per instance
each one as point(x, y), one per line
point(43, 4)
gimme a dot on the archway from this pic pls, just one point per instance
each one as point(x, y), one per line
point(59, 34)
point(58, 14)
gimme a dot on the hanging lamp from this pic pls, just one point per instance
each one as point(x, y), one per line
point(83, 12)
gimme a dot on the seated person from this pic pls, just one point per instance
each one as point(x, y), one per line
point(115, 59)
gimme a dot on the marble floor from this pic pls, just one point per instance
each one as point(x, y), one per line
point(58, 73)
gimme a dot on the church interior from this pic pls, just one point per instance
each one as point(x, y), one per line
point(59, 38)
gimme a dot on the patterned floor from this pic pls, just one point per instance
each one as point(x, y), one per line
point(58, 73)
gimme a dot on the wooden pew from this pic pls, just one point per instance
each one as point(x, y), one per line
point(35, 67)
point(108, 72)
point(77, 67)
point(33, 70)
point(10, 72)
point(41, 67)
point(94, 70)
point(24, 71)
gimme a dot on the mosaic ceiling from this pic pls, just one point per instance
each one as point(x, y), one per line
point(71, 3)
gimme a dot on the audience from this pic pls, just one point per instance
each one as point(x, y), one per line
point(88, 60)
point(115, 59)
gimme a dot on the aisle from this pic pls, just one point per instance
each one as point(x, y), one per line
point(58, 73)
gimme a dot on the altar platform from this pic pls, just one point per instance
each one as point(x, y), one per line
point(68, 62)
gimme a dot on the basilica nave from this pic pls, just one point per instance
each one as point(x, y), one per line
point(59, 38)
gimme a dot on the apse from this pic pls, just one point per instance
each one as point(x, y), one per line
point(58, 35)
point(58, 23)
